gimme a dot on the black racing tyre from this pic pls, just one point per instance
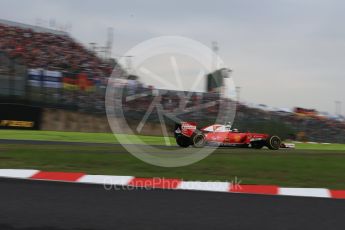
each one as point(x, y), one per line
point(198, 140)
point(182, 141)
point(257, 145)
point(273, 142)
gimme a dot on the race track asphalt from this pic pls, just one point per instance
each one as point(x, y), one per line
point(45, 205)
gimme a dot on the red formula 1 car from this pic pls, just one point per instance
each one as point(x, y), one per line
point(187, 134)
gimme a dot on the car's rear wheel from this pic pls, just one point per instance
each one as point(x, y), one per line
point(199, 140)
point(182, 141)
point(273, 142)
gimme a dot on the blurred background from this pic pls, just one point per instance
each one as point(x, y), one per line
point(51, 79)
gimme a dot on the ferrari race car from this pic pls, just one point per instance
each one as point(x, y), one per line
point(186, 134)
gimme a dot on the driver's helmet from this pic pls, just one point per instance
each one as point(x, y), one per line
point(235, 130)
point(228, 126)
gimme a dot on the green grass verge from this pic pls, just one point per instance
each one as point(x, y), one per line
point(317, 146)
point(310, 165)
point(78, 137)
point(110, 138)
point(295, 168)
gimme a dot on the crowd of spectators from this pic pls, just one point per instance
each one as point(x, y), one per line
point(4, 67)
point(56, 51)
point(50, 51)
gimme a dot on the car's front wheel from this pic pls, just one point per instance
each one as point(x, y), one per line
point(273, 142)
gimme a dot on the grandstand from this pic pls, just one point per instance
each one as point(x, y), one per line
point(50, 69)
point(54, 69)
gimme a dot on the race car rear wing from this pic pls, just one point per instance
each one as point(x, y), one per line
point(185, 128)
